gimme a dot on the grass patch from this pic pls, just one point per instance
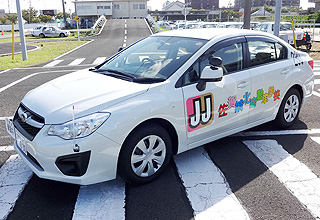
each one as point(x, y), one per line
point(48, 51)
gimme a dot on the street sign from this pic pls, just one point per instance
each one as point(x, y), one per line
point(77, 18)
point(240, 13)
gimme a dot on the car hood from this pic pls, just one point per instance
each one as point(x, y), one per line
point(87, 91)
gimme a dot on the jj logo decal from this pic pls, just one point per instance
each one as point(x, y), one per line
point(199, 111)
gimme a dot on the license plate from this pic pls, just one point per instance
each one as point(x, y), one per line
point(21, 142)
point(10, 127)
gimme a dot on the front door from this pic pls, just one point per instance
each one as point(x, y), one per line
point(222, 106)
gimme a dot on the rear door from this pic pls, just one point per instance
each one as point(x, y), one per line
point(271, 72)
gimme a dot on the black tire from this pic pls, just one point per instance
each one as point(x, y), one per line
point(308, 46)
point(62, 35)
point(42, 35)
point(289, 109)
point(132, 148)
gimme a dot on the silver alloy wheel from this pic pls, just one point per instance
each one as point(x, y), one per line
point(291, 108)
point(148, 156)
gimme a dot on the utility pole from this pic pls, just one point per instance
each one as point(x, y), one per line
point(247, 14)
point(64, 14)
point(21, 31)
point(277, 18)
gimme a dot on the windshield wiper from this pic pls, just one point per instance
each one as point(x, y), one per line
point(148, 80)
point(120, 73)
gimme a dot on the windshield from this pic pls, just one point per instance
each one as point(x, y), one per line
point(154, 57)
point(285, 27)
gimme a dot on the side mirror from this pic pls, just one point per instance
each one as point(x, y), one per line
point(120, 48)
point(209, 74)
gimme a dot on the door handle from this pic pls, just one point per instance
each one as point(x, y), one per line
point(243, 84)
point(285, 71)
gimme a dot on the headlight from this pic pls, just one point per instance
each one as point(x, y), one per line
point(82, 127)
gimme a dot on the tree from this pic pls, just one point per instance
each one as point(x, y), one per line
point(44, 18)
point(36, 20)
point(268, 9)
point(29, 14)
point(284, 10)
point(3, 19)
point(13, 18)
point(254, 10)
point(60, 15)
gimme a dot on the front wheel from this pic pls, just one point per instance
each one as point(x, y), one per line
point(145, 154)
point(289, 109)
point(308, 46)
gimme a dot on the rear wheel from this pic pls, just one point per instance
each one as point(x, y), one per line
point(62, 35)
point(145, 154)
point(42, 35)
point(289, 109)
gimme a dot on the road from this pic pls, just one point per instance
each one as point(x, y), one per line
point(257, 174)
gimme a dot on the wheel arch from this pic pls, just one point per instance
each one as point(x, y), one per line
point(300, 90)
point(166, 125)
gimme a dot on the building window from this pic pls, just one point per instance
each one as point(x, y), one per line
point(99, 7)
point(123, 7)
point(107, 7)
point(142, 6)
point(116, 7)
point(135, 6)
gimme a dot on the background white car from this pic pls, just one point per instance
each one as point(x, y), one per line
point(164, 95)
point(49, 31)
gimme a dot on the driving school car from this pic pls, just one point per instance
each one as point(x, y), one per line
point(163, 95)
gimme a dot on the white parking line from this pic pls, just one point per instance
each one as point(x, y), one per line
point(14, 175)
point(76, 62)
point(316, 139)
point(207, 189)
point(101, 201)
point(6, 148)
point(53, 63)
point(317, 81)
point(99, 60)
point(5, 71)
point(315, 93)
point(29, 76)
point(296, 176)
point(70, 51)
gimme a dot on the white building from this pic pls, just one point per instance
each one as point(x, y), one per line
point(111, 8)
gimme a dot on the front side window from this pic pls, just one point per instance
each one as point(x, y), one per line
point(262, 52)
point(116, 6)
point(232, 60)
point(231, 56)
point(154, 57)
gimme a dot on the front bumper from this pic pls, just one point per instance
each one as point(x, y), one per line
point(53, 158)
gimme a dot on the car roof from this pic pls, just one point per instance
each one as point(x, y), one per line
point(210, 33)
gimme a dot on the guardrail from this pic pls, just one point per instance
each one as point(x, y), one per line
point(152, 24)
point(98, 26)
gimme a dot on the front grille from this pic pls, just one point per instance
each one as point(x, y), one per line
point(28, 122)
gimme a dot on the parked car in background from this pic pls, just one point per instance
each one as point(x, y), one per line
point(230, 25)
point(208, 25)
point(286, 32)
point(49, 31)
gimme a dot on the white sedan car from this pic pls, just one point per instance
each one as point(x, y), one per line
point(49, 31)
point(163, 95)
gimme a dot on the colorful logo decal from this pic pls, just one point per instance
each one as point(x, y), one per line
point(232, 101)
point(199, 111)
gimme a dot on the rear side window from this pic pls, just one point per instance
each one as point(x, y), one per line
point(262, 52)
